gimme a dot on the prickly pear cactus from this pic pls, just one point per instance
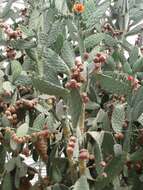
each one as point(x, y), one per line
point(71, 94)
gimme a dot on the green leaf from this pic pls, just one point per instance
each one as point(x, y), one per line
point(118, 117)
point(48, 87)
point(17, 178)
point(59, 187)
point(127, 68)
point(81, 184)
point(51, 76)
point(93, 40)
point(5, 122)
point(13, 144)
point(93, 13)
point(136, 156)
point(7, 182)
point(72, 29)
point(22, 44)
point(10, 165)
point(116, 183)
point(137, 97)
point(35, 19)
point(135, 30)
point(110, 41)
point(61, 6)
point(6, 9)
point(108, 144)
point(28, 64)
point(12, 14)
point(16, 69)
point(2, 158)
point(67, 54)
point(75, 106)
point(102, 119)
point(137, 111)
point(98, 140)
point(140, 77)
point(26, 31)
point(119, 56)
point(133, 55)
point(97, 136)
point(140, 119)
point(126, 45)
point(110, 64)
point(62, 167)
point(52, 60)
point(138, 65)
point(56, 29)
point(23, 80)
point(22, 130)
point(57, 46)
point(136, 14)
point(113, 85)
point(32, 54)
point(69, 5)
point(137, 103)
point(113, 169)
point(49, 19)
point(118, 150)
point(41, 109)
point(56, 174)
point(39, 122)
point(7, 86)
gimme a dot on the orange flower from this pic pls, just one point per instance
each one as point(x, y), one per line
point(78, 8)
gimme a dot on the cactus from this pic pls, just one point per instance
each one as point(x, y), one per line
point(71, 94)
